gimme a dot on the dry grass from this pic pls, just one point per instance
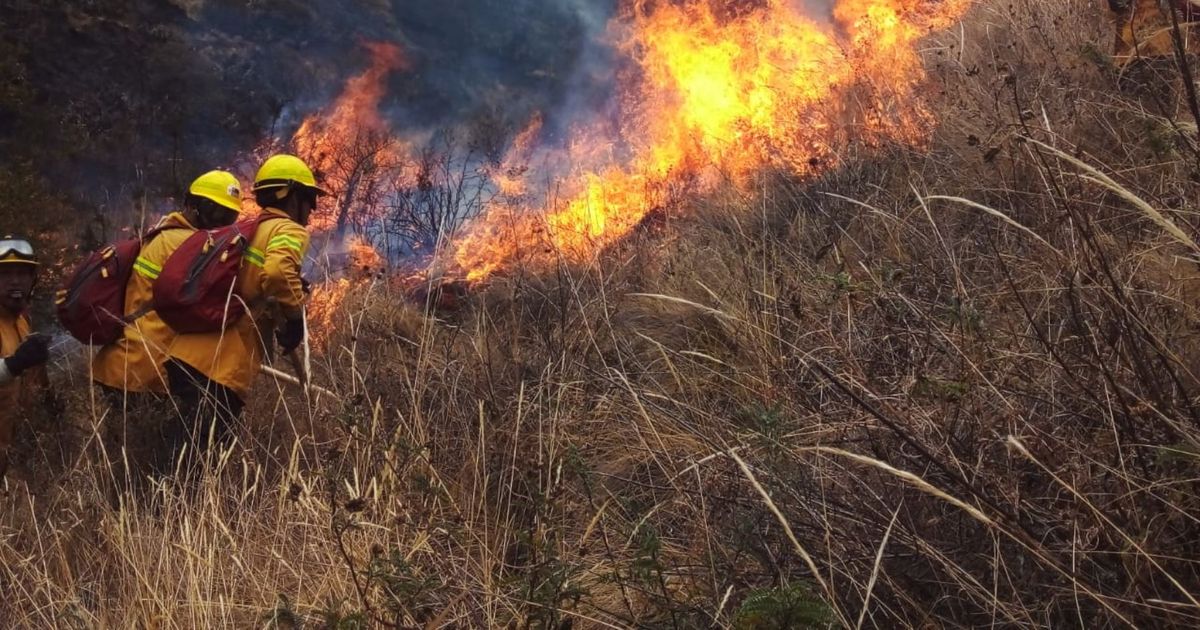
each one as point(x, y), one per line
point(942, 388)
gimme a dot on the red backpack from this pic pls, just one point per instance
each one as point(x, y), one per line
point(91, 302)
point(195, 293)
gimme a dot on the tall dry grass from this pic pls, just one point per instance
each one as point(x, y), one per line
point(947, 387)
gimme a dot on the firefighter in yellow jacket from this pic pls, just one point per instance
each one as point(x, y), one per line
point(22, 372)
point(210, 374)
point(132, 366)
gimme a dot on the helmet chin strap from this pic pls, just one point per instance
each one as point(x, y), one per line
point(292, 207)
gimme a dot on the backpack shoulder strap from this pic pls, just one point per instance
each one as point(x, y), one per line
point(159, 229)
point(263, 217)
point(149, 236)
point(251, 226)
point(138, 314)
point(146, 238)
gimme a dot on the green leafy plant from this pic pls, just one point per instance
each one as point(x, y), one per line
point(332, 618)
point(781, 608)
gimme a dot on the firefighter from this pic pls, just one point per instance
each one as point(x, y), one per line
point(132, 365)
point(129, 372)
point(22, 371)
point(210, 374)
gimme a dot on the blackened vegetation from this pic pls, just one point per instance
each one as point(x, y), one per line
point(108, 107)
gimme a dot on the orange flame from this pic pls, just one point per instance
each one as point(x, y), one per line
point(335, 142)
point(325, 305)
point(728, 95)
point(324, 308)
point(718, 94)
point(509, 177)
point(355, 112)
point(363, 257)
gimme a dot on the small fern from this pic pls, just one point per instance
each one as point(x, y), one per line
point(782, 608)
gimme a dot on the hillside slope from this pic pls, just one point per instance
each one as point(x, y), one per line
point(946, 386)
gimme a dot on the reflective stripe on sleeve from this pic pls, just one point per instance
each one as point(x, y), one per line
point(255, 256)
point(290, 242)
point(146, 268)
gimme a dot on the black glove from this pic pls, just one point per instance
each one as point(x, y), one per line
point(305, 286)
point(290, 335)
point(34, 351)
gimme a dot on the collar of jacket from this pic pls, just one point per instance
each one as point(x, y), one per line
point(276, 212)
point(175, 219)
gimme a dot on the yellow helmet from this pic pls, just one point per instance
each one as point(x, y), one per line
point(16, 250)
point(219, 187)
point(284, 170)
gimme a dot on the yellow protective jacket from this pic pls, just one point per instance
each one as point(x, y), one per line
point(18, 395)
point(269, 282)
point(134, 362)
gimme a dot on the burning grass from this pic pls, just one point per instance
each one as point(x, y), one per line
point(721, 92)
point(855, 400)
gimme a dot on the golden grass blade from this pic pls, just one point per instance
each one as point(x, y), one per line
point(1095, 176)
point(887, 534)
point(999, 215)
point(678, 300)
point(975, 513)
point(830, 596)
point(1016, 444)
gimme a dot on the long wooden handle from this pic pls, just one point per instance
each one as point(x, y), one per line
point(288, 378)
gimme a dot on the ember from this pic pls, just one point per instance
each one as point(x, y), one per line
point(325, 309)
point(363, 258)
point(435, 295)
